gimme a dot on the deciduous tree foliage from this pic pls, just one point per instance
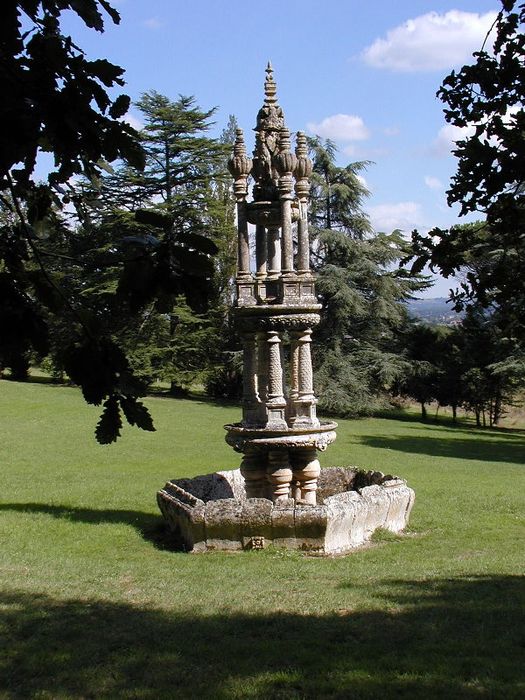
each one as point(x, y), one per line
point(488, 95)
point(55, 100)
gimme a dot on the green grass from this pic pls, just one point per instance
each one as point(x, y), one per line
point(92, 605)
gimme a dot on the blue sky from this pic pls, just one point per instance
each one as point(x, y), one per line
point(364, 74)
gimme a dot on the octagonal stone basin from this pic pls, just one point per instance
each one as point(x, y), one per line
point(211, 512)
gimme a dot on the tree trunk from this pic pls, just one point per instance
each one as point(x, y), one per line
point(497, 407)
point(328, 204)
point(454, 413)
point(423, 411)
point(177, 390)
point(478, 417)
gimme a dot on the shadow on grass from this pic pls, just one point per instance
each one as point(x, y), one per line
point(152, 392)
point(457, 638)
point(151, 527)
point(498, 448)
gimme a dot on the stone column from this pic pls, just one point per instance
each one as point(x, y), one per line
point(303, 242)
point(243, 257)
point(249, 380)
point(275, 403)
point(305, 403)
point(274, 251)
point(240, 167)
point(294, 374)
point(261, 253)
point(287, 244)
point(306, 470)
point(253, 469)
point(279, 474)
point(302, 172)
point(285, 163)
point(262, 378)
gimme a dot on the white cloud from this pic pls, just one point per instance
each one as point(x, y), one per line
point(447, 137)
point(391, 131)
point(153, 23)
point(449, 134)
point(340, 127)
point(365, 153)
point(430, 42)
point(433, 183)
point(401, 215)
point(133, 121)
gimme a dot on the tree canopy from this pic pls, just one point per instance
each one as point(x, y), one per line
point(56, 101)
point(489, 97)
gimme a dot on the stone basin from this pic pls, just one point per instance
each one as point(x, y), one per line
point(319, 436)
point(211, 512)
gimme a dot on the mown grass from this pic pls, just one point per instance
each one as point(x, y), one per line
point(93, 605)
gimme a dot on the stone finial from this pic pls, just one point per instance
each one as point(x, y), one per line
point(239, 164)
point(303, 168)
point(270, 117)
point(270, 88)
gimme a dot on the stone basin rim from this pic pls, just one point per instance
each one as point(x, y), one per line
point(277, 309)
point(245, 431)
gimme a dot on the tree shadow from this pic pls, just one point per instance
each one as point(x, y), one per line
point(455, 638)
point(151, 527)
point(505, 448)
point(38, 379)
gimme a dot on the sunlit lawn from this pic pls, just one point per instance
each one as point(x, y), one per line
point(93, 605)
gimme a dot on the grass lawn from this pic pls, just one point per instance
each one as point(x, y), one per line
point(93, 606)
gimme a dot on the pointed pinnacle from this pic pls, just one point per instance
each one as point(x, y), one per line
point(270, 88)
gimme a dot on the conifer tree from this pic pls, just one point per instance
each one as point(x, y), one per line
point(361, 288)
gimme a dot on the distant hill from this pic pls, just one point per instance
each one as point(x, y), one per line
point(437, 310)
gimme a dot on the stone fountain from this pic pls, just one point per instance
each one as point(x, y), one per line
point(280, 495)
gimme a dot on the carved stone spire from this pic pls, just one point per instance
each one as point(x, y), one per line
point(270, 117)
point(270, 88)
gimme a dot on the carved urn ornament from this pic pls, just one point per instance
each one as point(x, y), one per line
point(275, 311)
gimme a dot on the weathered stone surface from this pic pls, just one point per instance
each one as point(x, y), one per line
point(236, 481)
point(256, 521)
point(377, 505)
point(222, 521)
point(283, 524)
point(401, 501)
point(340, 522)
point(185, 516)
point(334, 480)
point(310, 527)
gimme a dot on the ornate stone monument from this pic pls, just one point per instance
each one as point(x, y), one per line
point(275, 311)
point(279, 495)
